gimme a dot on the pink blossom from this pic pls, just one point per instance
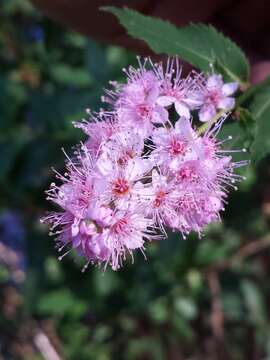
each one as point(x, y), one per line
point(137, 105)
point(119, 149)
point(100, 127)
point(174, 144)
point(163, 199)
point(128, 232)
point(215, 95)
point(178, 90)
point(140, 173)
point(123, 184)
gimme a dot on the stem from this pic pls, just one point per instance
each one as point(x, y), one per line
point(208, 124)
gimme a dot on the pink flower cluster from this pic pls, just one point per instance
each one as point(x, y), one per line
point(140, 172)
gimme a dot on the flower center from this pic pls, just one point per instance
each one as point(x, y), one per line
point(119, 226)
point(187, 173)
point(213, 97)
point(177, 147)
point(159, 198)
point(144, 111)
point(120, 187)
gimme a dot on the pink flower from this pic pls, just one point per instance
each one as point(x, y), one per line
point(140, 173)
point(178, 90)
point(93, 224)
point(137, 106)
point(100, 128)
point(215, 95)
point(123, 185)
point(128, 232)
point(119, 149)
point(163, 200)
point(174, 144)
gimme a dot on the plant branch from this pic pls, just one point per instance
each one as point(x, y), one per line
point(210, 123)
point(241, 254)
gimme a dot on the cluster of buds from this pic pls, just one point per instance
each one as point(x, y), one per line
point(145, 167)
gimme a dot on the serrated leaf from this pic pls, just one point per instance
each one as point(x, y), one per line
point(260, 109)
point(198, 44)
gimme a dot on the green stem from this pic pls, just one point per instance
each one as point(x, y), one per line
point(207, 125)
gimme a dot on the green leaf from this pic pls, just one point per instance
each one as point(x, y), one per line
point(186, 307)
point(61, 302)
point(246, 119)
point(252, 91)
point(198, 44)
point(68, 75)
point(260, 109)
point(240, 139)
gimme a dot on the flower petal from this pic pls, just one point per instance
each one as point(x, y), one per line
point(152, 94)
point(135, 169)
point(207, 112)
point(230, 88)
point(183, 127)
point(182, 109)
point(214, 82)
point(160, 115)
point(226, 103)
point(165, 100)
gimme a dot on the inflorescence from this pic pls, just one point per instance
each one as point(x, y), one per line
point(145, 167)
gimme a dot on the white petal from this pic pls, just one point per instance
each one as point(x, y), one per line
point(183, 127)
point(174, 164)
point(226, 103)
point(104, 165)
point(152, 94)
point(165, 100)
point(207, 112)
point(230, 88)
point(160, 115)
point(123, 203)
point(135, 169)
point(135, 241)
point(214, 82)
point(182, 109)
point(101, 185)
point(160, 136)
point(158, 180)
point(75, 228)
point(215, 203)
point(194, 102)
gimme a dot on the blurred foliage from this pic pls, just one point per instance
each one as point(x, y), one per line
point(200, 298)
